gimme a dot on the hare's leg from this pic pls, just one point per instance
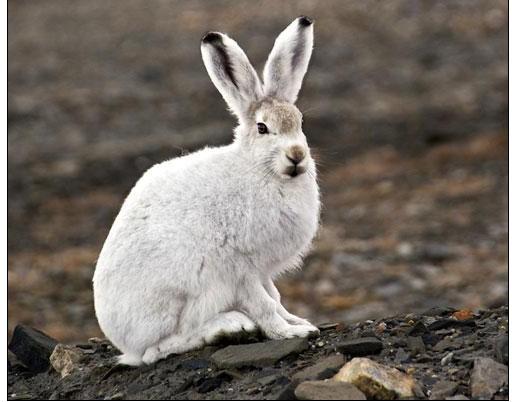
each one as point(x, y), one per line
point(281, 310)
point(263, 310)
point(224, 324)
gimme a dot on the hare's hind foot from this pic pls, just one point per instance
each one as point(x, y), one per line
point(130, 360)
point(224, 325)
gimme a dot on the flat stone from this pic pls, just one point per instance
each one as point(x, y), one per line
point(501, 349)
point(458, 397)
point(328, 390)
point(443, 389)
point(32, 347)
point(360, 347)
point(258, 354)
point(487, 377)
point(65, 359)
point(416, 345)
point(322, 370)
point(378, 381)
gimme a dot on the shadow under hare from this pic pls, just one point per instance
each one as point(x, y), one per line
point(198, 241)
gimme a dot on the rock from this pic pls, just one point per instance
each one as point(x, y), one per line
point(32, 347)
point(438, 311)
point(65, 359)
point(258, 354)
point(195, 364)
point(378, 381)
point(448, 344)
point(450, 323)
point(458, 397)
point(360, 346)
point(322, 370)
point(205, 385)
point(418, 329)
point(443, 389)
point(501, 349)
point(401, 356)
point(487, 377)
point(328, 390)
point(447, 359)
point(416, 345)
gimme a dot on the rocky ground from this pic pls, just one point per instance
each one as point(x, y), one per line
point(439, 354)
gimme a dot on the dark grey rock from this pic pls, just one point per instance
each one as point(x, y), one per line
point(443, 389)
point(32, 347)
point(401, 356)
point(450, 323)
point(487, 377)
point(322, 370)
point(417, 329)
point(360, 347)
point(204, 385)
point(501, 349)
point(416, 345)
point(438, 311)
point(328, 390)
point(258, 354)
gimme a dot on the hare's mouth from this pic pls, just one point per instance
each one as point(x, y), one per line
point(294, 171)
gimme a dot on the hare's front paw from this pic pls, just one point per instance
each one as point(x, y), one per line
point(292, 331)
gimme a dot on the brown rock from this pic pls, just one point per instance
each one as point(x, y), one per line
point(378, 381)
point(65, 359)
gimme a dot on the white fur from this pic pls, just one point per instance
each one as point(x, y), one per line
point(200, 238)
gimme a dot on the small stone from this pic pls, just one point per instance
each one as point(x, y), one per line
point(328, 390)
point(416, 345)
point(205, 385)
point(464, 314)
point(501, 349)
point(401, 356)
point(381, 327)
point(447, 359)
point(118, 396)
point(378, 381)
point(32, 347)
point(487, 377)
point(258, 354)
point(438, 311)
point(327, 326)
point(360, 346)
point(65, 359)
point(418, 329)
point(443, 389)
point(322, 370)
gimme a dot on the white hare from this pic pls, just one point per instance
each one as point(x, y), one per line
point(200, 238)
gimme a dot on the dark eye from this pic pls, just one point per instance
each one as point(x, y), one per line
point(262, 128)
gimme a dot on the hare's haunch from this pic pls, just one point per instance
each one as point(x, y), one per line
point(199, 239)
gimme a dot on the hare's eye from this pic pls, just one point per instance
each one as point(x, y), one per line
point(262, 128)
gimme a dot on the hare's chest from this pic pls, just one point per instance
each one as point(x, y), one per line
point(286, 221)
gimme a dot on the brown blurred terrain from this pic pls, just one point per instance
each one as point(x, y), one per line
point(405, 101)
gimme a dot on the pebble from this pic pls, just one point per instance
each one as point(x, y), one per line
point(378, 381)
point(65, 359)
point(32, 347)
point(328, 390)
point(360, 347)
point(487, 377)
point(447, 359)
point(326, 368)
point(259, 354)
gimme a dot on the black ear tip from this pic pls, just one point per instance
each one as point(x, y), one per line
point(305, 21)
point(212, 37)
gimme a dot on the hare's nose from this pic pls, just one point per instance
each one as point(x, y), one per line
point(296, 154)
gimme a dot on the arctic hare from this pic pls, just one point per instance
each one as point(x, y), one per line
point(200, 238)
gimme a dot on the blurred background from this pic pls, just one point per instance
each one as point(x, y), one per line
point(405, 101)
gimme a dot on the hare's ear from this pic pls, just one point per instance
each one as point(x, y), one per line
point(231, 72)
point(288, 62)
